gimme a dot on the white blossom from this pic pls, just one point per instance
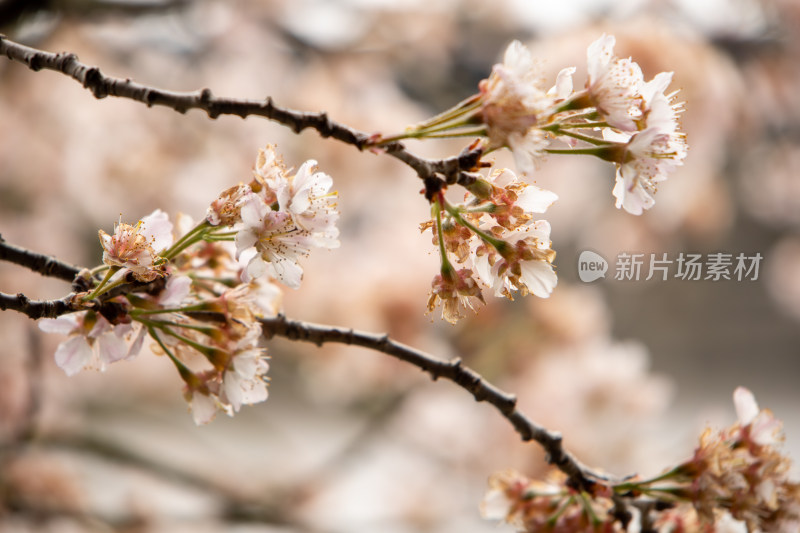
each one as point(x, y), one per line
point(271, 240)
point(650, 156)
point(524, 265)
point(94, 342)
point(613, 84)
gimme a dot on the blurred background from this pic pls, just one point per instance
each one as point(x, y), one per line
point(349, 440)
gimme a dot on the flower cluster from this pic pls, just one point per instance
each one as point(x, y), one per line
point(493, 237)
point(618, 117)
point(740, 470)
point(736, 476)
point(199, 298)
point(279, 217)
point(533, 506)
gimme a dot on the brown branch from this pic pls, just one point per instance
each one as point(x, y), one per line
point(45, 265)
point(451, 170)
point(36, 308)
point(483, 391)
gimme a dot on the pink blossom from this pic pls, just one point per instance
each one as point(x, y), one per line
point(137, 247)
point(93, 342)
point(272, 238)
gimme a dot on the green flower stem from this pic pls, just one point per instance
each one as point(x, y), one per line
point(223, 236)
point(228, 282)
point(96, 270)
point(196, 307)
point(475, 132)
point(462, 114)
point(561, 510)
point(671, 493)
point(638, 485)
point(103, 287)
point(587, 506)
point(585, 138)
point(499, 244)
point(569, 125)
point(192, 236)
point(597, 152)
point(186, 374)
point(437, 208)
point(208, 351)
point(578, 100)
point(460, 109)
point(484, 208)
point(165, 324)
point(217, 357)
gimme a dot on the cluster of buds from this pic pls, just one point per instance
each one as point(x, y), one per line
point(199, 298)
point(494, 239)
point(618, 117)
point(736, 480)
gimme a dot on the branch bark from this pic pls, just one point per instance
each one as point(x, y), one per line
point(46, 265)
point(450, 170)
point(36, 308)
point(466, 378)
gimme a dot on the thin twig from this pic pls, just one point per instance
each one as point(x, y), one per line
point(45, 265)
point(451, 170)
point(483, 391)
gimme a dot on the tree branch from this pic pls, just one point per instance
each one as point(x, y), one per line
point(36, 308)
point(450, 170)
point(580, 476)
point(46, 265)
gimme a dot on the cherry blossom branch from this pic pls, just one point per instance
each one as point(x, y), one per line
point(433, 172)
point(483, 391)
point(46, 265)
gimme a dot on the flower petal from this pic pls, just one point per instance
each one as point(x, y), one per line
point(73, 355)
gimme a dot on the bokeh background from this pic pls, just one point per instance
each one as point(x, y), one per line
point(349, 440)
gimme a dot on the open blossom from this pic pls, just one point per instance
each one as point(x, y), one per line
point(306, 215)
point(523, 264)
point(137, 247)
point(515, 201)
point(647, 159)
point(277, 240)
point(93, 343)
point(614, 84)
point(245, 381)
point(513, 102)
